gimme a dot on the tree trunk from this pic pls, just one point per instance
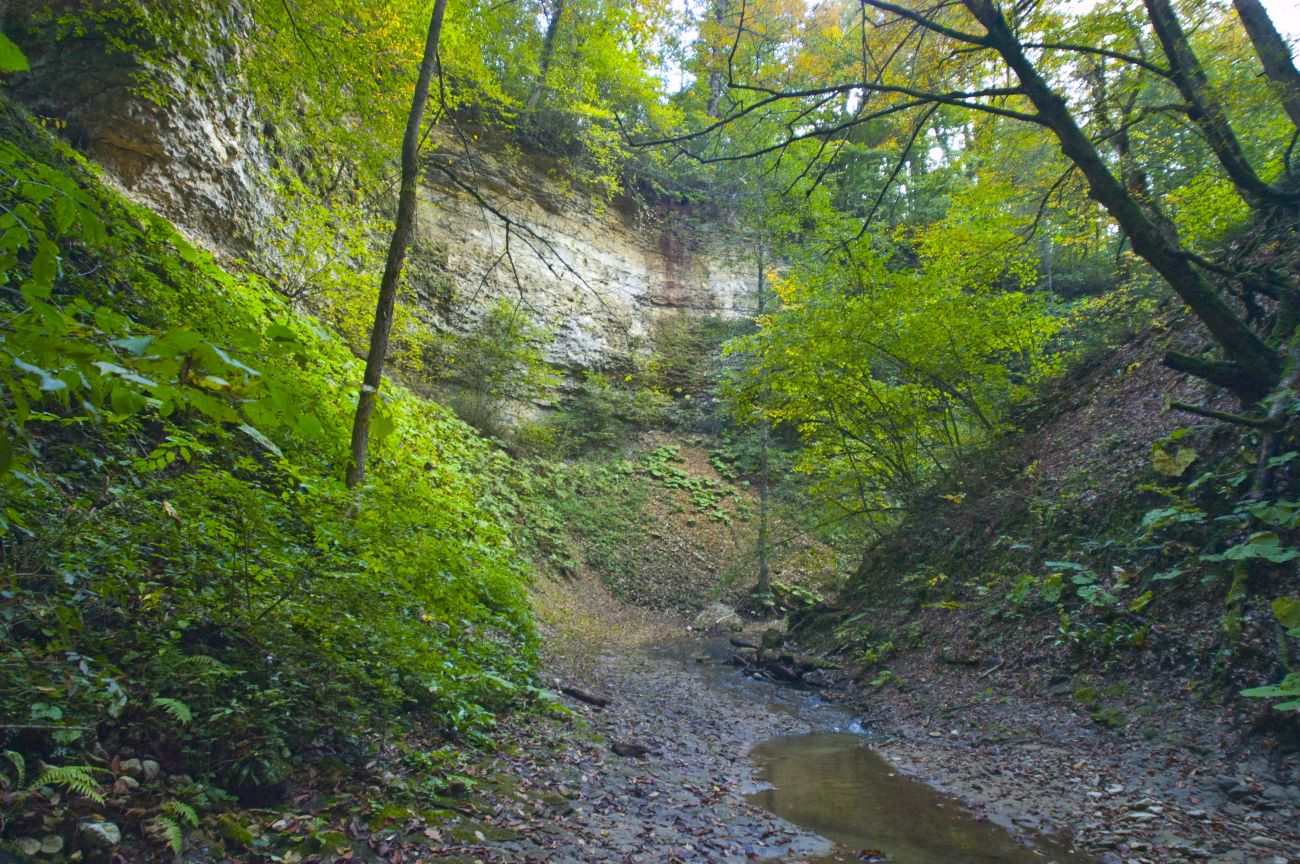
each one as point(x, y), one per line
point(764, 586)
point(1258, 367)
point(403, 228)
point(1274, 55)
point(1204, 109)
point(717, 80)
point(547, 55)
point(1115, 130)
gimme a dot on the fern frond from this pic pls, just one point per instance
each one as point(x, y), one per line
point(182, 812)
point(20, 764)
point(175, 709)
point(74, 778)
point(205, 661)
point(175, 835)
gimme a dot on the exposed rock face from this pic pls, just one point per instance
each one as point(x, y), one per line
point(597, 274)
point(198, 161)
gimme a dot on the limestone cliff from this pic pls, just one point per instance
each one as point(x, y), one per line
point(599, 274)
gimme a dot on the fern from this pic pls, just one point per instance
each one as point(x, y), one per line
point(182, 812)
point(74, 778)
point(175, 817)
point(172, 831)
point(205, 662)
point(20, 764)
point(175, 709)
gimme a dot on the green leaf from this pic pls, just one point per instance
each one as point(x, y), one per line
point(256, 435)
point(74, 778)
point(1287, 610)
point(45, 266)
point(1173, 464)
point(1141, 602)
point(136, 345)
point(112, 369)
point(281, 333)
point(1262, 544)
point(126, 401)
point(12, 58)
point(232, 362)
point(48, 382)
point(382, 423)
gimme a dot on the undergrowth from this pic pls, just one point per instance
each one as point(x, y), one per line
point(1188, 568)
point(184, 575)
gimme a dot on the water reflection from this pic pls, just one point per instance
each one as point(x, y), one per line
point(833, 784)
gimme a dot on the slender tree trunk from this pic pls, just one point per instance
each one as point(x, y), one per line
point(1274, 54)
point(547, 56)
point(1115, 130)
point(1205, 110)
point(764, 586)
point(717, 80)
point(1253, 368)
point(403, 228)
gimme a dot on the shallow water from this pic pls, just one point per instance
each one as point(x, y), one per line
point(832, 783)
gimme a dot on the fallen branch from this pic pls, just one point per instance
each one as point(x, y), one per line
point(1224, 416)
point(584, 696)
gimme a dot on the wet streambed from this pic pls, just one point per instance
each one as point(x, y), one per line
point(832, 783)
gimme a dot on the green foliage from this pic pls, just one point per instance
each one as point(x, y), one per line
point(332, 78)
point(685, 355)
point(173, 820)
point(499, 363)
point(175, 709)
point(18, 763)
point(604, 508)
point(1287, 612)
point(76, 779)
point(602, 414)
point(326, 252)
point(891, 375)
point(1288, 690)
point(706, 495)
point(11, 56)
point(183, 567)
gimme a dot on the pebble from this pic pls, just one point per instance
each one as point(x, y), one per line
point(1192, 851)
point(99, 835)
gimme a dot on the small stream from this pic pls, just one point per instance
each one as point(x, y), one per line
point(831, 782)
